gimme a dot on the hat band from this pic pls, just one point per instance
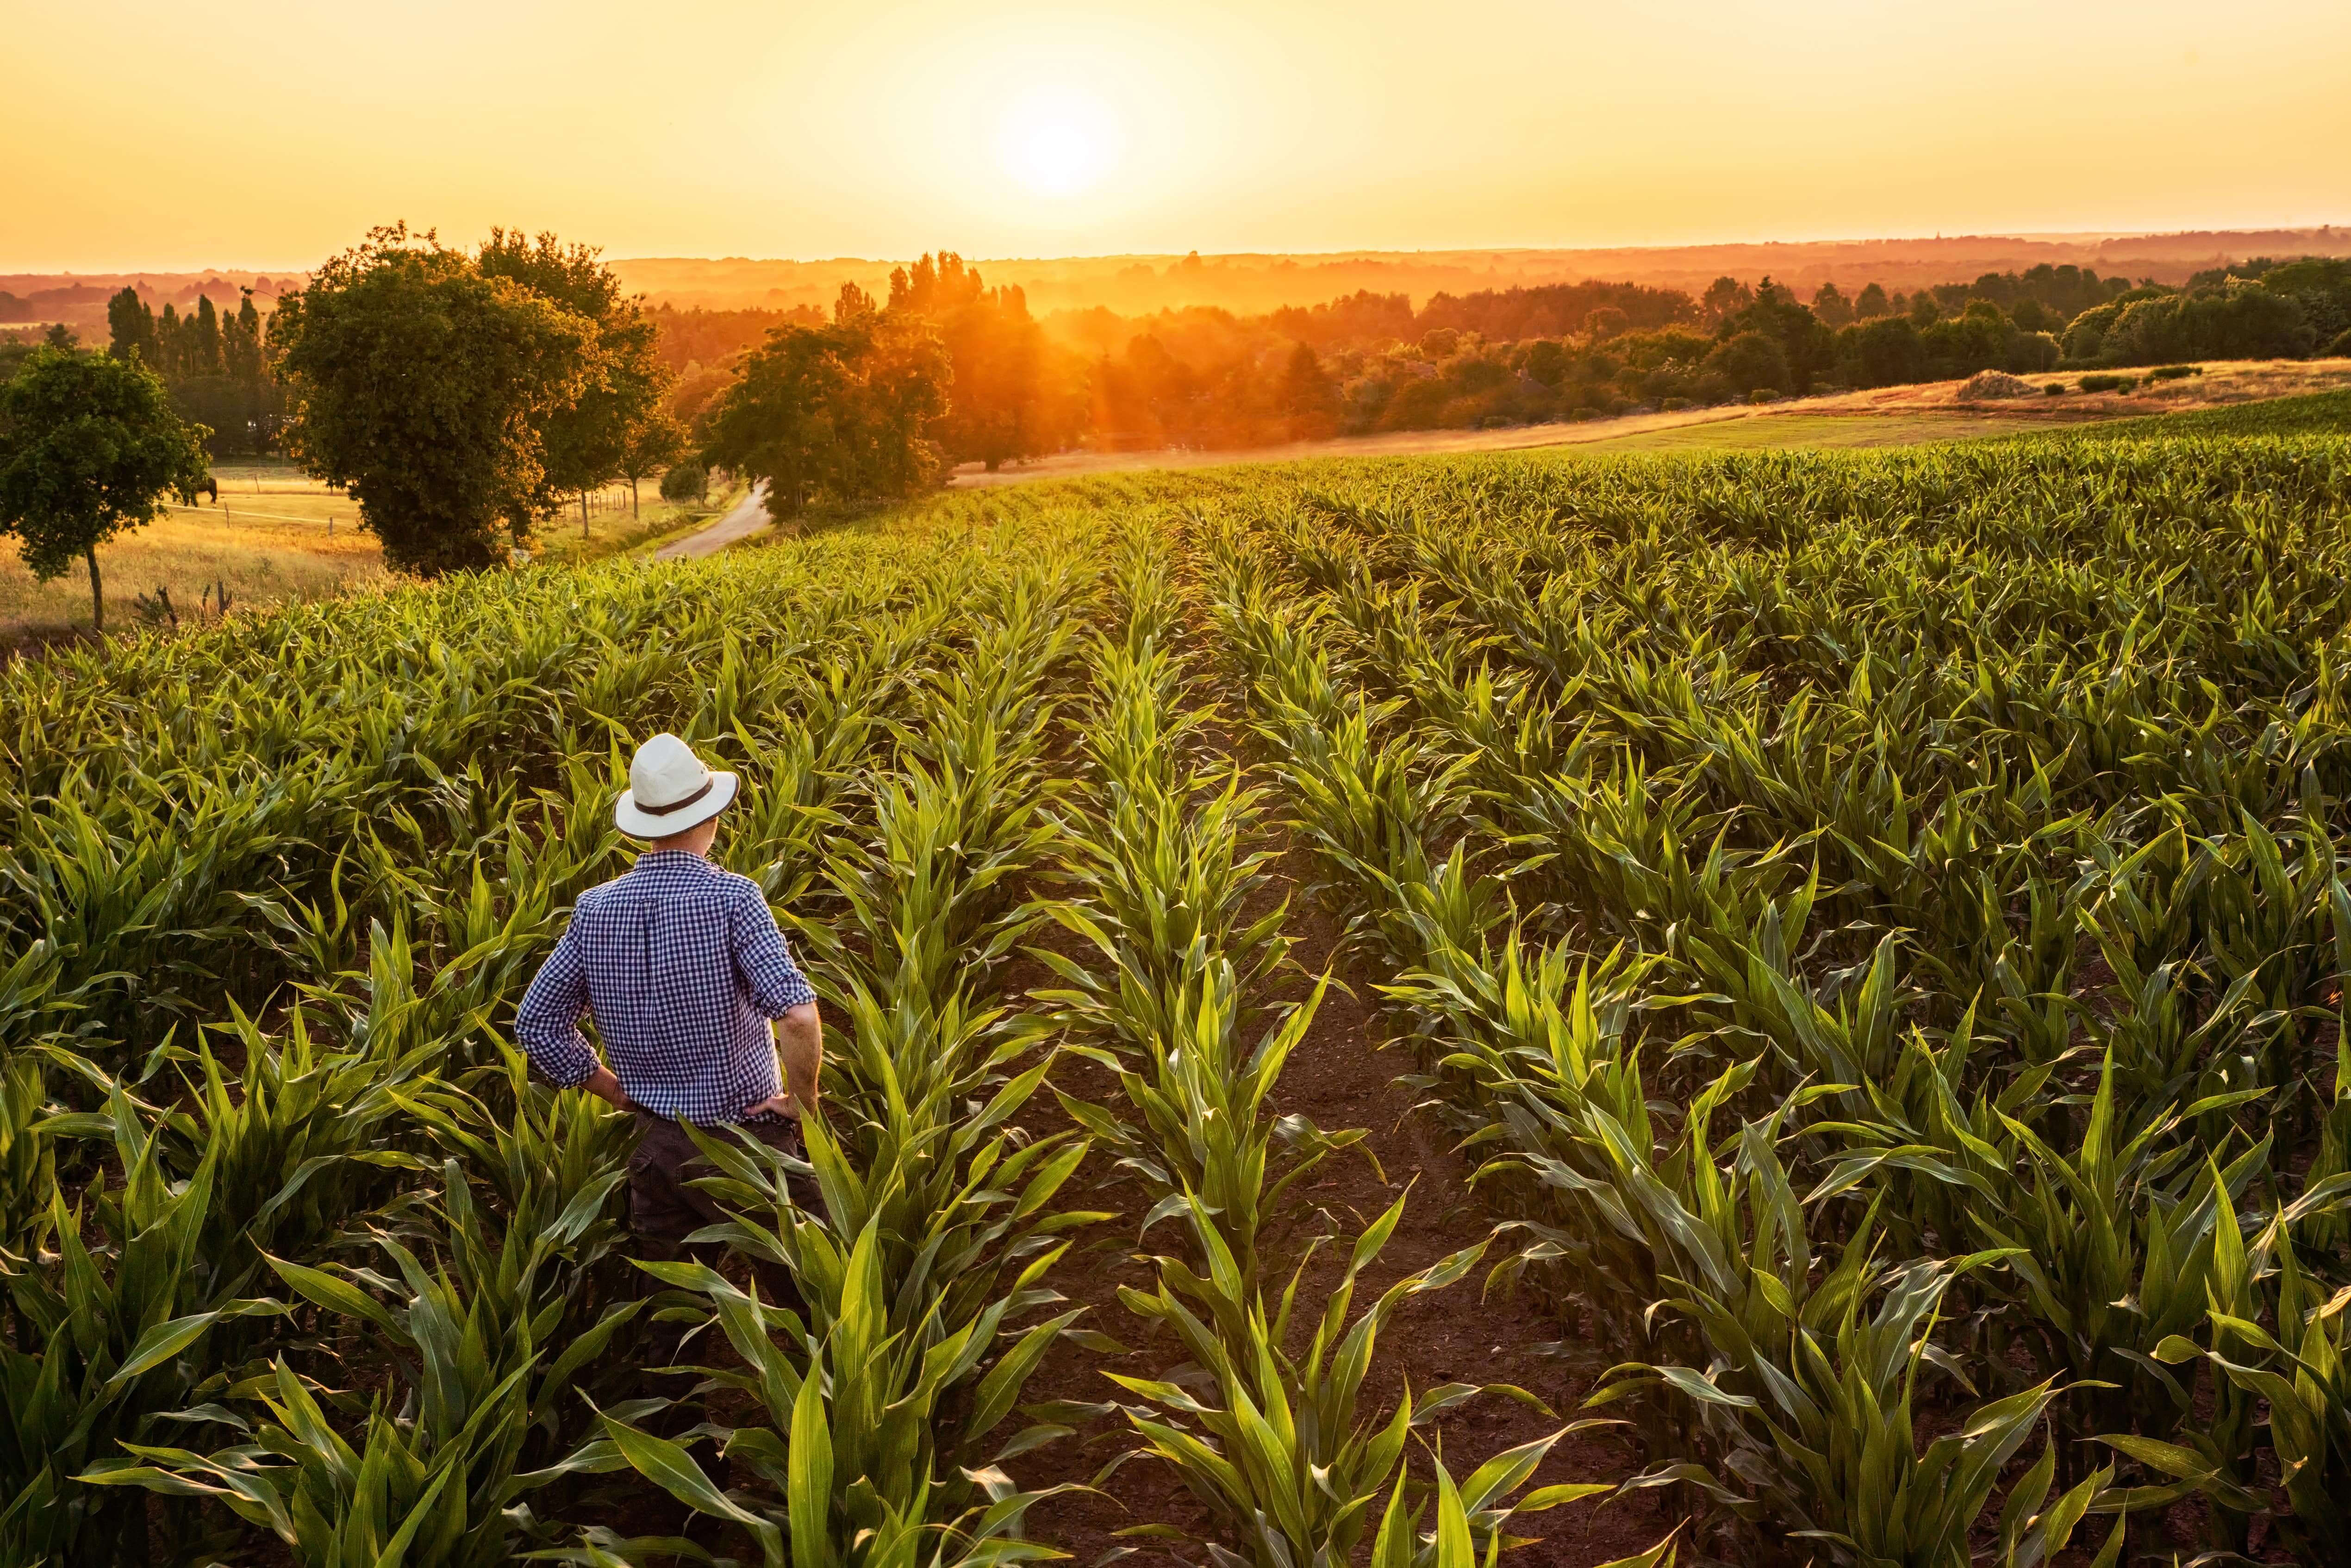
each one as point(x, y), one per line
point(707, 782)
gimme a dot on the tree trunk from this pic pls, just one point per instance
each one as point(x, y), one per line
point(97, 592)
point(632, 498)
point(583, 513)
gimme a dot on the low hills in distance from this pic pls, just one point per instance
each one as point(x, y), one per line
point(1254, 283)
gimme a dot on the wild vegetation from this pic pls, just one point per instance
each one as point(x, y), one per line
point(1876, 919)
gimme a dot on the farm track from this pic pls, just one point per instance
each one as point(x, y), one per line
point(746, 518)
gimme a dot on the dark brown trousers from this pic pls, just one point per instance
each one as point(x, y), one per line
point(663, 1211)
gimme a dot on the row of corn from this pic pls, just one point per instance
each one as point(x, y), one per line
point(1874, 1027)
point(1270, 1418)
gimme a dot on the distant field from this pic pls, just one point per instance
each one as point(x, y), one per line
point(1822, 430)
point(1883, 416)
point(2320, 413)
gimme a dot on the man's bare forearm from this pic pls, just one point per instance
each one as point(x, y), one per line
point(800, 1046)
point(605, 1087)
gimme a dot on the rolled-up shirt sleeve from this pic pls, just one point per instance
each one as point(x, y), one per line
point(770, 979)
point(548, 1024)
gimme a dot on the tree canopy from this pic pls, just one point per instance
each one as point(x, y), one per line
point(837, 412)
point(615, 425)
point(89, 445)
point(427, 386)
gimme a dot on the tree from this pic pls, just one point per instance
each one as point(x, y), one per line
point(1011, 398)
point(201, 350)
point(656, 443)
point(1884, 352)
point(1723, 298)
point(60, 337)
point(2239, 320)
point(1807, 348)
point(89, 447)
point(686, 481)
point(130, 327)
point(838, 412)
point(588, 441)
point(1832, 307)
point(1870, 303)
point(241, 345)
point(1750, 361)
point(423, 386)
point(1307, 397)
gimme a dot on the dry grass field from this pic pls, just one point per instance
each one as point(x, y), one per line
point(277, 537)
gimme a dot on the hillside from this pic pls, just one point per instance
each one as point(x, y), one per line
point(1330, 970)
point(1254, 284)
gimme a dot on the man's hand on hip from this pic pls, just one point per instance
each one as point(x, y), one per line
point(605, 1087)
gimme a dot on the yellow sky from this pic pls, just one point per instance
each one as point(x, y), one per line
point(140, 133)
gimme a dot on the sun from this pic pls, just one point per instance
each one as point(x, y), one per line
point(1058, 142)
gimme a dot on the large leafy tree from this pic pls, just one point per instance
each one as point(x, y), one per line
point(89, 445)
point(425, 387)
point(838, 412)
point(613, 427)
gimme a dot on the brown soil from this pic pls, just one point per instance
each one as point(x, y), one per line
point(1340, 1079)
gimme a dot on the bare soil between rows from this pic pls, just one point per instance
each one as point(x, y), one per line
point(1341, 1077)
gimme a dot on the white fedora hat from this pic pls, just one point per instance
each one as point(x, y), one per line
point(670, 790)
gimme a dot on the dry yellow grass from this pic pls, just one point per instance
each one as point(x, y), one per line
point(260, 560)
point(267, 541)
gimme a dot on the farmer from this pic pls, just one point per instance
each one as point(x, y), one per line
point(682, 966)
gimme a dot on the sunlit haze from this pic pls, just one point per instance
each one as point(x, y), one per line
point(141, 133)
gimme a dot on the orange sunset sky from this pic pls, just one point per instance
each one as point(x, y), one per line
point(144, 134)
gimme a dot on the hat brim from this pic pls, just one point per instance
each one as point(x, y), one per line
point(642, 824)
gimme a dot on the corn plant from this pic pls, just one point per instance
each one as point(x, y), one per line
point(881, 1391)
point(28, 1162)
point(103, 1341)
point(1277, 1447)
point(482, 1358)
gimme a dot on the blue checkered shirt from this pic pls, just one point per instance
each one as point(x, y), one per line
point(682, 966)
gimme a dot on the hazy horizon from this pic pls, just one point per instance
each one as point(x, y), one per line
point(181, 266)
point(152, 136)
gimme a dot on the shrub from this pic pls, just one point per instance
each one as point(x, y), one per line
point(2174, 372)
point(2340, 349)
point(2102, 382)
point(1674, 404)
point(1762, 394)
point(686, 482)
point(2056, 389)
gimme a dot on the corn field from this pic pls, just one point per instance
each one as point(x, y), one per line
point(1872, 926)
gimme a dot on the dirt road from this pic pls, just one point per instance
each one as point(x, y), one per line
point(745, 518)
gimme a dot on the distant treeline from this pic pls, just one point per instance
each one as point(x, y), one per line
point(215, 366)
point(1202, 377)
